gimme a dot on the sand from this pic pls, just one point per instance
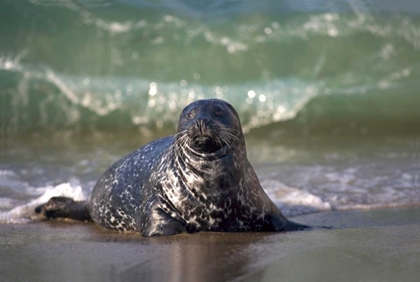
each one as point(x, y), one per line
point(373, 245)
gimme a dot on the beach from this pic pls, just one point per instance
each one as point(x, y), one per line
point(363, 245)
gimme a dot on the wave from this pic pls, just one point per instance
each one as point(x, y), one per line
point(46, 102)
point(91, 66)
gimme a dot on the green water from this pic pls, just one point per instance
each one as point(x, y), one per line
point(79, 67)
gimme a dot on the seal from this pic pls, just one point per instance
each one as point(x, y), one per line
point(196, 180)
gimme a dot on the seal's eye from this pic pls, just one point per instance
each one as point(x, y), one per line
point(219, 113)
point(191, 115)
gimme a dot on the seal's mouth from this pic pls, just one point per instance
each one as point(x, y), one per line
point(204, 143)
point(203, 137)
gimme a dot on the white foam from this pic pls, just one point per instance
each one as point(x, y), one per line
point(363, 186)
point(6, 203)
point(293, 201)
point(24, 213)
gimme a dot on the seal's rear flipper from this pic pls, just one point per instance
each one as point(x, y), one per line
point(62, 207)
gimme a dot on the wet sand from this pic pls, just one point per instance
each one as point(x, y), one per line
point(374, 245)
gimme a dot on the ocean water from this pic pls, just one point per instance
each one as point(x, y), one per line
point(327, 92)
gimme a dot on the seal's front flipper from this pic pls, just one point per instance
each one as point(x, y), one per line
point(278, 222)
point(159, 223)
point(62, 207)
point(294, 226)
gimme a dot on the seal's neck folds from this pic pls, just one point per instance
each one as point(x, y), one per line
point(207, 166)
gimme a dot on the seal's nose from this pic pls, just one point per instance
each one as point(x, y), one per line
point(202, 125)
point(202, 115)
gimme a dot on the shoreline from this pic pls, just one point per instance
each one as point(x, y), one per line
point(368, 245)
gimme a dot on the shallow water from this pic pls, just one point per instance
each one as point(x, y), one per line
point(301, 175)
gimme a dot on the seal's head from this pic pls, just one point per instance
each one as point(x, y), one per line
point(208, 126)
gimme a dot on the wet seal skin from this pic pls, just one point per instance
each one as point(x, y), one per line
point(196, 180)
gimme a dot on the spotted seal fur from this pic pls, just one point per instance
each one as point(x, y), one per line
point(196, 180)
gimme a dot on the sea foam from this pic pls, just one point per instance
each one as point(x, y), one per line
point(24, 213)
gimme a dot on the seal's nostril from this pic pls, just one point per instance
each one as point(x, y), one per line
point(201, 125)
